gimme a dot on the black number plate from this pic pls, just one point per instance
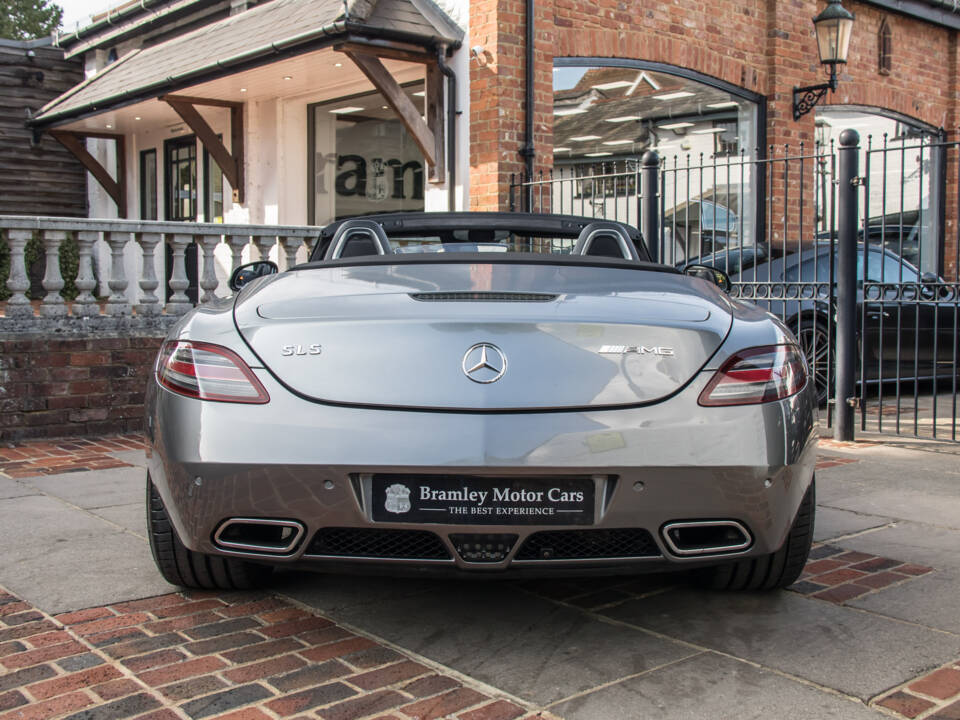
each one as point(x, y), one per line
point(468, 500)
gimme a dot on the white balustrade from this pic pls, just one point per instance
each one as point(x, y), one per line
point(149, 304)
point(117, 304)
point(85, 304)
point(53, 305)
point(18, 283)
point(126, 281)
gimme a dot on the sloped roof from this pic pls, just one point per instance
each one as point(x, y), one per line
point(241, 41)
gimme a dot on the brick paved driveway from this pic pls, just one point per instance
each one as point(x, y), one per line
point(88, 629)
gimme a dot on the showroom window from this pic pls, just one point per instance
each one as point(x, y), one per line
point(904, 197)
point(607, 114)
point(363, 159)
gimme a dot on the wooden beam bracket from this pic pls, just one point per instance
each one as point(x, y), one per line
point(116, 189)
point(427, 134)
point(229, 161)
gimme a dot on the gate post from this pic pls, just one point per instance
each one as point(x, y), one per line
point(650, 219)
point(848, 195)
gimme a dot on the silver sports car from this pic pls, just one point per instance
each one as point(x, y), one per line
point(487, 394)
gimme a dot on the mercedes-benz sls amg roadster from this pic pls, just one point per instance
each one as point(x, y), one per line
point(480, 394)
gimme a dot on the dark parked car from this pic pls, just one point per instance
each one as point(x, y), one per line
point(908, 331)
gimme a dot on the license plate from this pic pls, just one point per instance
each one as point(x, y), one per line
point(468, 500)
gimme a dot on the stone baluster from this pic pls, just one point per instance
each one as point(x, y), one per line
point(117, 304)
point(263, 244)
point(290, 245)
point(308, 243)
point(86, 304)
point(149, 304)
point(208, 279)
point(53, 305)
point(237, 243)
point(179, 302)
point(18, 283)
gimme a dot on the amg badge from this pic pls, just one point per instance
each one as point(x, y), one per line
point(638, 349)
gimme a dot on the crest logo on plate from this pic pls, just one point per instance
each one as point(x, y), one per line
point(398, 499)
point(484, 363)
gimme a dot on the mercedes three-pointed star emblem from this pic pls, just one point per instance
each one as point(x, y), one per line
point(484, 363)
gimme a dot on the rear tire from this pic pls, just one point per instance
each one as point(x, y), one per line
point(181, 566)
point(776, 570)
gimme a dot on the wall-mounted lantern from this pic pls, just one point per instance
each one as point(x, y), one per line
point(833, 27)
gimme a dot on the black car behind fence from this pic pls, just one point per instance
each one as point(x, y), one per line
point(771, 221)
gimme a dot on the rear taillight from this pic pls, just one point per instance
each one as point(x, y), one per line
point(757, 375)
point(208, 372)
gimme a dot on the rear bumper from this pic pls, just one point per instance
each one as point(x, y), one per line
point(305, 462)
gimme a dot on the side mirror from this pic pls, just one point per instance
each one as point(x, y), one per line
point(929, 278)
point(710, 274)
point(245, 273)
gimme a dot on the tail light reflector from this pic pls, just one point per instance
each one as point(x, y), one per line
point(757, 375)
point(208, 372)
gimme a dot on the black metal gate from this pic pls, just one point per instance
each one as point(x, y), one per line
point(772, 224)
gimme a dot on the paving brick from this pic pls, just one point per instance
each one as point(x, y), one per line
point(943, 684)
point(11, 699)
point(25, 631)
point(324, 636)
point(181, 671)
point(389, 675)
point(430, 685)
point(855, 557)
point(441, 705)
point(162, 714)
point(154, 659)
point(224, 642)
point(188, 608)
point(13, 607)
point(223, 627)
point(337, 649)
point(24, 617)
point(283, 614)
point(42, 655)
point(294, 627)
point(182, 622)
point(11, 647)
point(363, 706)
point(80, 662)
point(907, 705)
point(113, 637)
point(837, 577)
point(823, 551)
point(22, 678)
point(372, 657)
point(876, 564)
point(822, 566)
point(307, 699)
point(880, 579)
point(915, 570)
point(192, 688)
point(498, 710)
point(245, 714)
point(75, 681)
point(55, 637)
point(805, 587)
point(148, 604)
point(842, 593)
point(311, 675)
point(141, 645)
point(124, 708)
point(50, 708)
point(109, 623)
point(252, 608)
point(82, 616)
point(117, 689)
point(265, 669)
point(227, 700)
point(262, 650)
point(951, 712)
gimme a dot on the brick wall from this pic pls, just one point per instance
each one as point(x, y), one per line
point(766, 46)
point(74, 386)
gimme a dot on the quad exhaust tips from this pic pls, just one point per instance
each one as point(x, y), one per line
point(705, 537)
point(259, 535)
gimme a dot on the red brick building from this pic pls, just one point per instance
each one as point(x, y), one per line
point(740, 58)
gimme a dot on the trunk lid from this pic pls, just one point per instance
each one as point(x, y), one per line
point(413, 335)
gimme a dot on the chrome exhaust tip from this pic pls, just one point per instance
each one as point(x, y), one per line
point(259, 535)
point(705, 537)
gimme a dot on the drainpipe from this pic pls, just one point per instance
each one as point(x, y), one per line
point(452, 113)
point(528, 152)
